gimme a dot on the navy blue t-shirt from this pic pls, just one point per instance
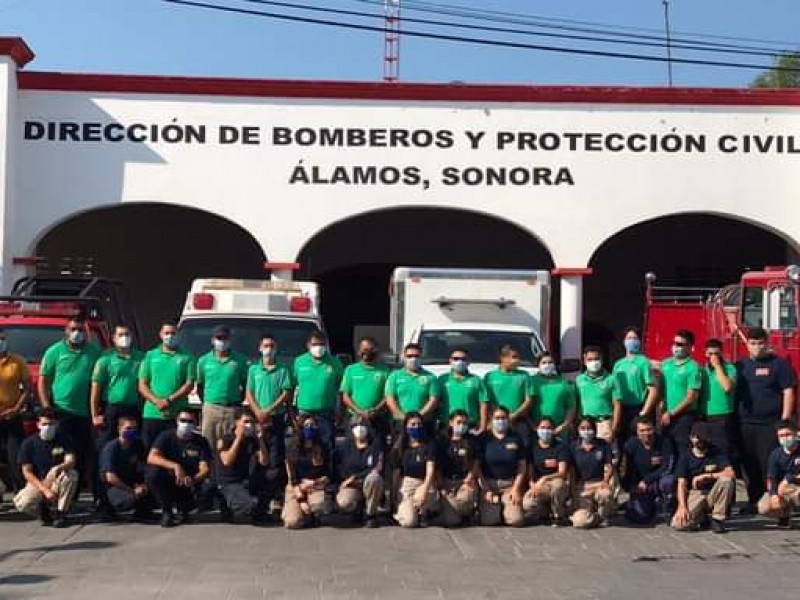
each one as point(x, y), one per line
point(783, 466)
point(456, 458)
point(414, 460)
point(306, 463)
point(690, 466)
point(647, 465)
point(359, 462)
point(244, 463)
point(759, 390)
point(545, 460)
point(188, 452)
point(126, 462)
point(41, 455)
point(499, 458)
point(590, 463)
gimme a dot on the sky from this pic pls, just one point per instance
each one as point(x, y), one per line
point(157, 38)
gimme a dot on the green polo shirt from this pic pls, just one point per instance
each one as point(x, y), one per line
point(165, 372)
point(677, 378)
point(118, 375)
point(466, 393)
point(223, 378)
point(412, 390)
point(70, 373)
point(555, 398)
point(714, 401)
point(597, 394)
point(365, 384)
point(508, 389)
point(634, 376)
point(267, 383)
point(317, 382)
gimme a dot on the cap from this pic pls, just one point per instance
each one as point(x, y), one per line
point(220, 330)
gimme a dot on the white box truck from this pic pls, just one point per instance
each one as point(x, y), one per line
point(477, 310)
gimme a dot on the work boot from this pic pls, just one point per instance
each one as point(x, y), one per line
point(372, 522)
point(44, 514)
point(785, 523)
point(718, 526)
point(167, 519)
point(60, 520)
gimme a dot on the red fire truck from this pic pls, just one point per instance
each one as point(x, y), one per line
point(767, 299)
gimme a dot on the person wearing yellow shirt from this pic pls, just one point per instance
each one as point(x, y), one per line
point(14, 387)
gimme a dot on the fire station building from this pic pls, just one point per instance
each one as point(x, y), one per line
point(158, 180)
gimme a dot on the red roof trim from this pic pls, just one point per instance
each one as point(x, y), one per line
point(568, 271)
point(276, 88)
point(17, 49)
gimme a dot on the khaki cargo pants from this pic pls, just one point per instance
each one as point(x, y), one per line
point(783, 504)
point(409, 509)
point(295, 514)
point(64, 485)
point(369, 493)
point(593, 504)
point(217, 420)
point(458, 502)
point(717, 502)
point(549, 500)
point(502, 510)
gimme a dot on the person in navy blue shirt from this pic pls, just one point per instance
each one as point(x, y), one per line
point(123, 462)
point(764, 394)
point(593, 474)
point(457, 472)
point(548, 474)
point(783, 476)
point(647, 467)
point(706, 484)
point(360, 466)
point(414, 458)
point(309, 470)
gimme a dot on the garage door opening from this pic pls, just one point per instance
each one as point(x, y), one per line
point(353, 260)
point(156, 250)
point(698, 250)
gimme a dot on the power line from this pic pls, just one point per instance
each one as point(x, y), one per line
point(478, 41)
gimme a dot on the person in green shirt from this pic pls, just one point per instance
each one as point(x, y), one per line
point(681, 384)
point(317, 374)
point(717, 398)
point(269, 392)
point(461, 390)
point(636, 382)
point(556, 397)
point(65, 382)
point(413, 389)
point(363, 389)
point(166, 376)
point(599, 395)
point(511, 387)
point(115, 391)
point(221, 379)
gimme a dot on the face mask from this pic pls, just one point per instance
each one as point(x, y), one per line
point(500, 425)
point(185, 429)
point(460, 366)
point(632, 345)
point(594, 366)
point(368, 355)
point(679, 352)
point(250, 430)
point(587, 435)
point(360, 432)
point(267, 351)
point(123, 342)
point(700, 446)
point(413, 363)
point(170, 341)
point(416, 432)
point(787, 443)
point(318, 351)
point(76, 337)
point(3, 345)
point(460, 430)
point(47, 432)
point(220, 345)
point(130, 435)
point(547, 369)
point(309, 432)
point(546, 435)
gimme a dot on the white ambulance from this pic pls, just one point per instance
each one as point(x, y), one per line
point(288, 310)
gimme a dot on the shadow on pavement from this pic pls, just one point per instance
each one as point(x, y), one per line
point(22, 579)
point(87, 545)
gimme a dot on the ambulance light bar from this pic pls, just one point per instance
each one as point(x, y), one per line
point(256, 285)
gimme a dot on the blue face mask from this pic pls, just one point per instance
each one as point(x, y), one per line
point(77, 337)
point(309, 432)
point(130, 435)
point(632, 345)
point(416, 432)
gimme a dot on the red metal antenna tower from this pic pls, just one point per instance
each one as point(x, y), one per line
point(391, 43)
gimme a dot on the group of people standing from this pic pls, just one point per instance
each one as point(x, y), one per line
point(508, 448)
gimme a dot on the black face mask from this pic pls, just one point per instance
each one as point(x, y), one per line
point(368, 355)
point(700, 446)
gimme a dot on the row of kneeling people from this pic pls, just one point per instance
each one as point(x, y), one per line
point(457, 478)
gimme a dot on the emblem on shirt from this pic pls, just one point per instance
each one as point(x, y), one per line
point(423, 380)
point(57, 450)
point(762, 372)
point(711, 468)
point(655, 460)
point(550, 463)
point(462, 451)
point(512, 446)
point(192, 453)
point(598, 455)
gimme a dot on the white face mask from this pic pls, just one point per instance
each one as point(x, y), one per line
point(594, 366)
point(413, 363)
point(77, 337)
point(460, 429)
point(47, 432)
point(170, 341)
point(360, 432)
point(318, 350)
point(220, 345)
point(267, 351)
point(547, 369)
point(185, 429)
point(123, 342)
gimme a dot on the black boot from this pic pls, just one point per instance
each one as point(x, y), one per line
point(44, 514)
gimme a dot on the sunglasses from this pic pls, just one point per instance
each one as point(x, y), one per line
point(458, 358)
point(189, 421)
point(681, 344)
point(412, 355)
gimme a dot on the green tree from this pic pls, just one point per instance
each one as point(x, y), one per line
point(785, 73)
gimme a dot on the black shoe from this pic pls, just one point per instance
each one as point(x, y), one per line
point(423, 521)
point(747, 509)
point(718, 526)
point(785, 523)
point(60, 521)
point(372, 523)
point(44, 514)
point(225, 514)
point(357, 518)
point(186, 518)
point(168, 519)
